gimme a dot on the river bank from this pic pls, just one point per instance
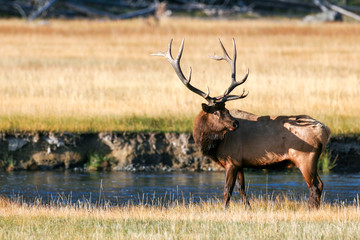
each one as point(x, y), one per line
point(123, 151)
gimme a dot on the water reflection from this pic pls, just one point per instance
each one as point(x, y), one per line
point(124, 187)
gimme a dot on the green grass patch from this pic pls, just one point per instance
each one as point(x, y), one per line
point(342, 124)
point(95, 124)
point(97, 162)
point(7, 162)
point(347, 125)
point(325, 163)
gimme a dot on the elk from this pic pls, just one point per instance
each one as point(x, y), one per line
point(237, 139)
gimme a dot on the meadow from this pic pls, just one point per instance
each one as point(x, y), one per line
point(89, 76)
point(269, 219)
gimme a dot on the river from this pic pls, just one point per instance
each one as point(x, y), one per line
point(152, 188)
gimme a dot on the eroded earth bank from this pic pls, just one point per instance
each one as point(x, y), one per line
point(131, 152)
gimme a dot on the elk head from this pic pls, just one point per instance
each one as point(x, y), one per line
point(214, 119)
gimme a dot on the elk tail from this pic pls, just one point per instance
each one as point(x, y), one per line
point(326, 135)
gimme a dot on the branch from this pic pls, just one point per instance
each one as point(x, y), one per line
point(37, 13)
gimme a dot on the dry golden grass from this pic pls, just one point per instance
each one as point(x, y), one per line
point(86, 75)
point(278, 219)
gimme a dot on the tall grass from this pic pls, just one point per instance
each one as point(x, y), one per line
point(99, 75)
point(268, 219)
point(325, 163)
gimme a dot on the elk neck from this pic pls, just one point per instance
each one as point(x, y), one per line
point(206, 136)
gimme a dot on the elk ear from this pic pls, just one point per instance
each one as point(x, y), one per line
point(205, 108)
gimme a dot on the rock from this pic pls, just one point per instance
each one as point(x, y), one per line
point(52, 140)
point(16, 144)
point(55, 160)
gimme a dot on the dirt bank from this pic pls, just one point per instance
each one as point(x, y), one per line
point(131, 152)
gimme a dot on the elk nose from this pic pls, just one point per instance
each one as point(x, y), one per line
point(236, 125)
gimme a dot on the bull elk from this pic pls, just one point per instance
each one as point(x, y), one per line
point(237, 139)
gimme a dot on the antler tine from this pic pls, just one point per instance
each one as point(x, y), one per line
point(167, 54)
point(234, 97)
point(226, 57)
point(176, 65)
point(234, 83)
point(180, 51)
point(235, 54)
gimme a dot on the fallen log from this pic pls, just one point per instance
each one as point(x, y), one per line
point(325, 6)
point(343, 11)
point(142, 12)
point(37, 13)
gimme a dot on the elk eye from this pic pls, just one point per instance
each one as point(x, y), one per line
point(217, 113)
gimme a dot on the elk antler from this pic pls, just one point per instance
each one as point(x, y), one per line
point(211, 100)
point(176, 65)
point(226, 97)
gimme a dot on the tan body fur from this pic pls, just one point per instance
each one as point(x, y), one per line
point(261, 141)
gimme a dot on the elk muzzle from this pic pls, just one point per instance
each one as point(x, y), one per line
point(235, 125)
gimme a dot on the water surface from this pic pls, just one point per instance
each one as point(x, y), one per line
point(125, 187)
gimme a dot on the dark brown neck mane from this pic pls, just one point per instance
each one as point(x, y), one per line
point(206, 138)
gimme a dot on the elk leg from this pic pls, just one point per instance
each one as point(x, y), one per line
point(315, 192)
point(320, 184)
point(315, 186)
point(240, 184)
point(230, 179)
point(313, 181)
